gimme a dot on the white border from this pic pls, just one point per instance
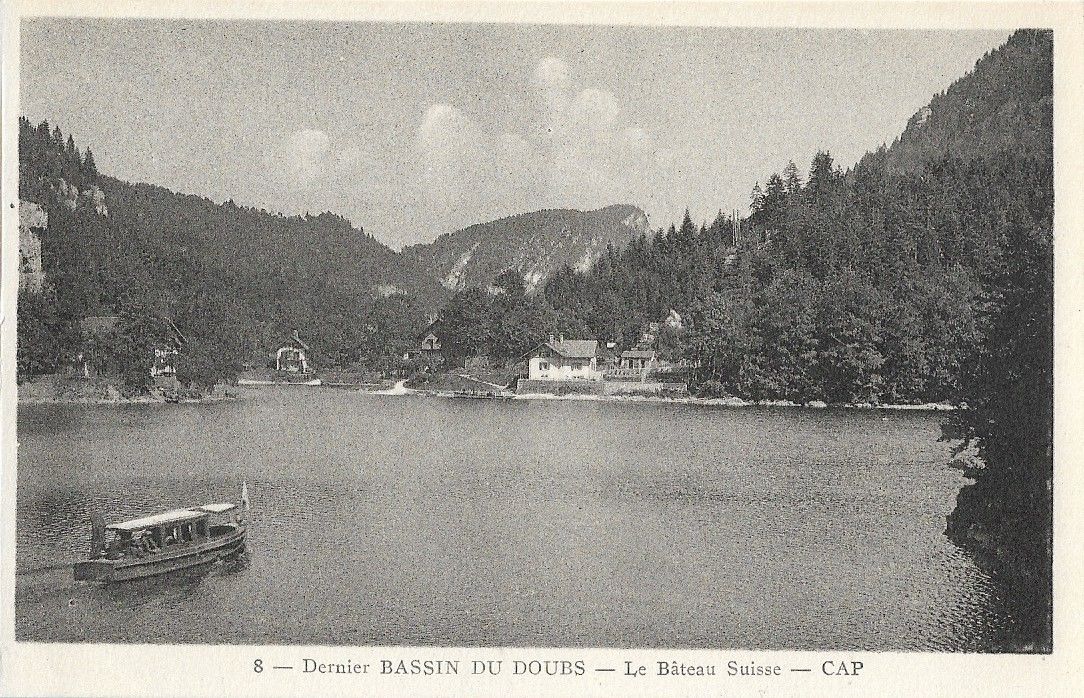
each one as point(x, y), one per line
point(204, 670)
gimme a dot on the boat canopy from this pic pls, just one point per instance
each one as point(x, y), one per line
point(217, 508)
point(169, 517)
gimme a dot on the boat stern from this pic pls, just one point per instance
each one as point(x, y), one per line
point(94, 571)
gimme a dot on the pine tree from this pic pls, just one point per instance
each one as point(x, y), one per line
point(89, 168)
point(775, 201)
point(756, 203)
point(791, 179)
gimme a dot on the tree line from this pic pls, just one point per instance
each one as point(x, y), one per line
point(234, 280)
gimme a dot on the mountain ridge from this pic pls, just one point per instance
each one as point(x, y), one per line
point(534, 244)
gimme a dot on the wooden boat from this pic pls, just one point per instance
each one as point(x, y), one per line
point(173, 540)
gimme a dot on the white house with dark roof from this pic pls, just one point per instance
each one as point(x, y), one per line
point(291, 357)
point(565, 359)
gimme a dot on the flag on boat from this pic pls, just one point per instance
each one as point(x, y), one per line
point(244, 494)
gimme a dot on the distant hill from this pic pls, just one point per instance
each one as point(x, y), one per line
point(256, 245)
point(1004, 105)
point(236, 280)
point(533, 244)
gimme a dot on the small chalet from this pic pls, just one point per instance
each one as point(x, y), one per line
point(639, 359)
point(166, 352)
point(430, 339)
point(291, 357)
point(95, 357)
point(565, 359)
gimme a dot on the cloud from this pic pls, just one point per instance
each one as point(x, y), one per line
point(306, 152)
point(595, 156)
point(465, 171)
point(553, 78)
point(594, 111)
point(582, 152)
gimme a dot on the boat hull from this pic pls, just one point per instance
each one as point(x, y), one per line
point(183, 557)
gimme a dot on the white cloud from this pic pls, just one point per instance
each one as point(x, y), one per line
point(306, 151)
point(587, 154)
point(594, 111)
point(553, 78)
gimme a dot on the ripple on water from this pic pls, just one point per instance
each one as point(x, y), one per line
point(401, 520)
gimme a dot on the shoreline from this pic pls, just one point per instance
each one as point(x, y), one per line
point(57, 390)
point(224, 393)
point(134, 400)
point(709, 402)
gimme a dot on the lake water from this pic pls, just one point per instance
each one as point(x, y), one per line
point(414, 520)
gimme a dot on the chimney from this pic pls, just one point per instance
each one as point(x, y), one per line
point(562, 338)
point(551, 338)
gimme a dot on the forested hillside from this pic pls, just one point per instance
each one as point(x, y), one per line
point(866, 285)
point(234, 280)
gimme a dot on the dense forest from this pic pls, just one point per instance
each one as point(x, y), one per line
point(234, 280)
point(872, 285)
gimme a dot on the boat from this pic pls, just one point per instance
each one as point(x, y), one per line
point(173, 540)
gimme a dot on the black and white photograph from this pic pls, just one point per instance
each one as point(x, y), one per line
point(424, 333)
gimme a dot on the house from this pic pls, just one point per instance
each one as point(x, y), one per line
point(166, 352)
point(96, 357)
point(430, 339)
point(639, 359)
point(565, 359)
point(291, 357)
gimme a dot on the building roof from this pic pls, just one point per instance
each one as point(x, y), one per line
point(638, 354)
point(98, 324)
point(575, 348)
point(296, 339)
point(169, 517)
point(175, 334)
point(432, 328)
point(218, 507)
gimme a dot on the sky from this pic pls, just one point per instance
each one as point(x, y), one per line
point(411, 130)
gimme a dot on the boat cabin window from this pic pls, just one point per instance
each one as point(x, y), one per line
point(201, 528)
point(121, 542)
